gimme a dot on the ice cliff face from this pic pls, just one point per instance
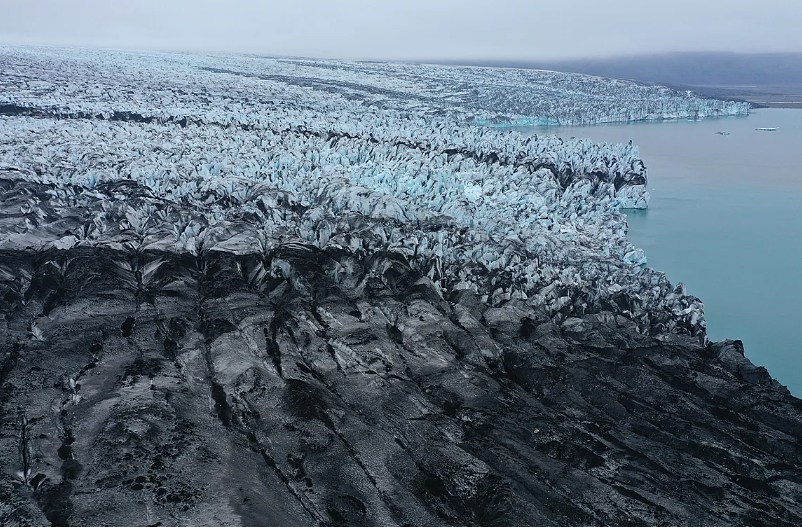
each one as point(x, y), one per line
point(241, 290)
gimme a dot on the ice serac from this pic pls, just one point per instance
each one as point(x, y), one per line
point(633, 197)
point(246, 291)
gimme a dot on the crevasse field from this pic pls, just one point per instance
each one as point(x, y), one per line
point(219, 139)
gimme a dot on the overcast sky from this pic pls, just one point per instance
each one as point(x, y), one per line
point(411, 29)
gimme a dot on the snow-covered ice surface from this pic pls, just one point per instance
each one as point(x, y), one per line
point(192, 153)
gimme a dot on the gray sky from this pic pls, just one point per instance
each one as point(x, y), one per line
point(411, 29)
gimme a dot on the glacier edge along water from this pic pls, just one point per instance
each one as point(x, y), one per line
point(725, 218)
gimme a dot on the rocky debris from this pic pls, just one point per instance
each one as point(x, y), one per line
point(370, 398)
point(279, 382)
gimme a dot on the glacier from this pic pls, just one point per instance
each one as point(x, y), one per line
point(341, 138)
point(241, 290)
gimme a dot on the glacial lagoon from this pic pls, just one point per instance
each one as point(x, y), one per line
point(726, 219)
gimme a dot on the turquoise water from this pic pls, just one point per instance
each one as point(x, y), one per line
point(726, 219)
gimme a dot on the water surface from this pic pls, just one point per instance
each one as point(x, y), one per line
point(726, 219)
